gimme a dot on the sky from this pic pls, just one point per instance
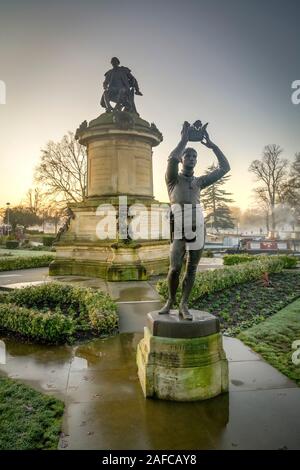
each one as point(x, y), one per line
point(228, 62)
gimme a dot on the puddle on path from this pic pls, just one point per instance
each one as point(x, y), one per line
point(105, 407)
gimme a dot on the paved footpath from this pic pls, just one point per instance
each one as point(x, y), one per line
point(105, 407)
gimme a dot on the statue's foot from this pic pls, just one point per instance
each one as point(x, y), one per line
point(166, 308)
point(184, 312)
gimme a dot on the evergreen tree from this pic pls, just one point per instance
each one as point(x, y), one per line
point(215, 200)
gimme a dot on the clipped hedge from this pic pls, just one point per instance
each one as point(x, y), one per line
point(56, 313)
point(19, 262)
point(12, 244)
point(48, 326)
point(208, 282)
point(229, 260)
point(48, 240)
point(290, 262)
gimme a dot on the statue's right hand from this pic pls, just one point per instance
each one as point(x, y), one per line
point(185, 131)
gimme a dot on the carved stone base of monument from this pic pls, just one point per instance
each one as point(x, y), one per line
point(182, 360)
point(119, 152)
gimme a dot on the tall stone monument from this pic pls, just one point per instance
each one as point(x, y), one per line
point(119, 152)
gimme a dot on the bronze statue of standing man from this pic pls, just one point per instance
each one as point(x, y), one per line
point(189, 230)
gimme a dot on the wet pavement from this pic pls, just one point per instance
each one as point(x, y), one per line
point(19, 278)
point(7, 278)
point(105, 407)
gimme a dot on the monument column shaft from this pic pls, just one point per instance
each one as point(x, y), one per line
point(120, 166)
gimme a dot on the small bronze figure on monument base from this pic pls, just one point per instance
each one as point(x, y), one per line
point(119, 87)
point(187, 218)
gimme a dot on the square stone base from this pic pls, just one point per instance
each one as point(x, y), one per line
point(111, 263)
point(182, 369)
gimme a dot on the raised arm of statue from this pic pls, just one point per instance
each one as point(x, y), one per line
point(218, 173)
point(176, 155)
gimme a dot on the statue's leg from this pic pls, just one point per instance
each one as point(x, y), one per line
point(193, 258)
point(120, 100)
point(176, 260)
point(106, 96)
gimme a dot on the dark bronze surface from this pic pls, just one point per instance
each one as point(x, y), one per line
point(184, 191)
point(120, 86)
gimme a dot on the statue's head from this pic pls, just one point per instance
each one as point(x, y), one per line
point(115, 62)
point(189, 158)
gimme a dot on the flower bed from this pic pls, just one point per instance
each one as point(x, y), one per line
point(56, 313)
point(242, 306)
point(208, 282)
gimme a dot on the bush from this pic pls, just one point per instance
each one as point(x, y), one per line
point(211, 281)
point(229, 260)
point(56, 313)
point(12, 244)
point(41, 248)
point(33, 232)
point(48, 240)
point(47, 326)
point(3, 239)
point(18, 262)
point(207, 254)
point(290, 262)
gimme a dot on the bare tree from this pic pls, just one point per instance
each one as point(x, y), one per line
point(270, 172)
point(63, 169)
point(262, 198)
point(35, 200)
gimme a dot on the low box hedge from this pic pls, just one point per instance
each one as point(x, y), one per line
point(212, 281)
point(19, 262)
point(12, 244)
point(48, 240)
point(56, 313)
point(229, 260)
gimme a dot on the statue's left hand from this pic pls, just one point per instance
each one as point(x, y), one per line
point(206, 141)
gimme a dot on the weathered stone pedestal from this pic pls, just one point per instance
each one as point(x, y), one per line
point(119, 163)
point(182, 360)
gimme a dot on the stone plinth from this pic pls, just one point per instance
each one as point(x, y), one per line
point(119, 163)
point(182, 360)
point(119, 148)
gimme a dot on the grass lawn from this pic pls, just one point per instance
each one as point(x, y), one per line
point(23, 253)
point(244, 305)
point(274, 337)
point(29, 419)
